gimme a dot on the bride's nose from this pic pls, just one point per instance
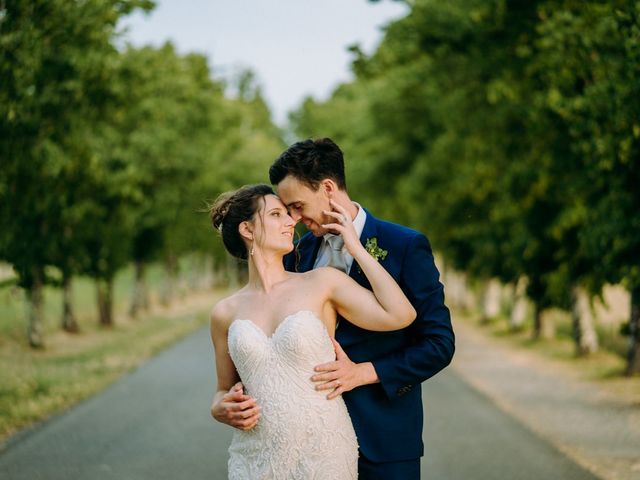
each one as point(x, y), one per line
point(289, 221)
point(295, 216)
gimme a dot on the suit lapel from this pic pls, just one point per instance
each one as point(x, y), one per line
point(369, 231)
point(307, 252)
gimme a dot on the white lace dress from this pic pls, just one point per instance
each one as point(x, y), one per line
point(300, 434)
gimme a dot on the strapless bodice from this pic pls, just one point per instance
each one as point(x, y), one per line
point(300, 433)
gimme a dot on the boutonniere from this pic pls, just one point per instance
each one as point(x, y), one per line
point(374, 250)
point(371, 246)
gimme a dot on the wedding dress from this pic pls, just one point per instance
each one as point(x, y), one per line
point(300, 434)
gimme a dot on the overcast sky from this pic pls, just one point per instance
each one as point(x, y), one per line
point(296, 47)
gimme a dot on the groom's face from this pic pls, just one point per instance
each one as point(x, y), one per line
point(305, 204)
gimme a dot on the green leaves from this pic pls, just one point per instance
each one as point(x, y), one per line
point(374, 250)
point(107, 155)
point(508, 131)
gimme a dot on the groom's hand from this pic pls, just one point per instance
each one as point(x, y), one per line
point(236, 409)
point(343, 375)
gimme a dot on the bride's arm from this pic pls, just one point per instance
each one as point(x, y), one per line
point(387, 307)
point(230, 405)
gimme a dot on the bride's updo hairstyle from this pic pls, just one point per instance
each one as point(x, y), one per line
point(231, 209)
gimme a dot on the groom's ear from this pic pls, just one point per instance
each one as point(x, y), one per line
point(329, 187)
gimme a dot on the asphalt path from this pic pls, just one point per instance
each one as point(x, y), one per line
point(155, 424)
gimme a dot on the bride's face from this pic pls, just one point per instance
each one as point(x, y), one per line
point(273, 226)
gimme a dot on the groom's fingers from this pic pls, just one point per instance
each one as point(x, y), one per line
point(325, 377)
point(336, 392)
point(331, 385)
point(327, 367)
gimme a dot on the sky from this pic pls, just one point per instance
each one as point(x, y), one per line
point(296, 47)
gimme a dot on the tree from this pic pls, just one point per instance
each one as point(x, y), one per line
point(592, 63)
point(508, 132)
point(54, 66)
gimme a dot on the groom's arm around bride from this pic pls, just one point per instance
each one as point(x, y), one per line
point(431, 347)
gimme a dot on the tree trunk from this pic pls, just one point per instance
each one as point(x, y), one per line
point(140, 300)
point(548, 327)
point(208, 276)
point(490, 300)
point(584, 332)
point(170, 282)
point(470, 300)
point(455, 289)
point(217, 273)
point(69, 323)
point(34, 302)
point(104, 290)
point(537, 321)
point(519, 305)
point(452, 288)
point(195, 263)
point(633, 356)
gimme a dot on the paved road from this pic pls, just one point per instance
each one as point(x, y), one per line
point(154, 424)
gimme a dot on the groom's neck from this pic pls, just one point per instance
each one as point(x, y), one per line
point(343, 199)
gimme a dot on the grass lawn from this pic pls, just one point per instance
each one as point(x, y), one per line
point(35, 384)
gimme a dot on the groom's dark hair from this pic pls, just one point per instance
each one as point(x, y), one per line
point(310, 161)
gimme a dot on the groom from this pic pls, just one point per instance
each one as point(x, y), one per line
point(378, 373)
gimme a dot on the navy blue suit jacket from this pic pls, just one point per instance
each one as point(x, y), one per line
point(387, 416)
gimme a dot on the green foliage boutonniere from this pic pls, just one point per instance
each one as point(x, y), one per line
point(374, 250)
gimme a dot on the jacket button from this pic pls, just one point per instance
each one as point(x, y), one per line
point(403, 390)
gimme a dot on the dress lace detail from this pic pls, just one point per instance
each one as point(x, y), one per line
point(300, 434)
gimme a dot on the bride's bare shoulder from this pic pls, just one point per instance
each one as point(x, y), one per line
point(224, 311)
point(324, 274)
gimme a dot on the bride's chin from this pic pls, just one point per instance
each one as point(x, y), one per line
point(281, 249)
point(288, 248)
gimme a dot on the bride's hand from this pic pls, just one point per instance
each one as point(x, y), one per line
point(343, 225)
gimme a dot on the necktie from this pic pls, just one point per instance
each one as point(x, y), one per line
point(336, 257)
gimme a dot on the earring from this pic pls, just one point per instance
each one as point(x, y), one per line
point(251, 252)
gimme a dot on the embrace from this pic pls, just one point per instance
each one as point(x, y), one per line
point(320, 356)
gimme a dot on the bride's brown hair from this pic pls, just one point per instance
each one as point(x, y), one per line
point(231, 209)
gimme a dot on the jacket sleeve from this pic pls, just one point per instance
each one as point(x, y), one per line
point(430, 341)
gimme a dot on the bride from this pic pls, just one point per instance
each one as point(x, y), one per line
point(272, 332)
